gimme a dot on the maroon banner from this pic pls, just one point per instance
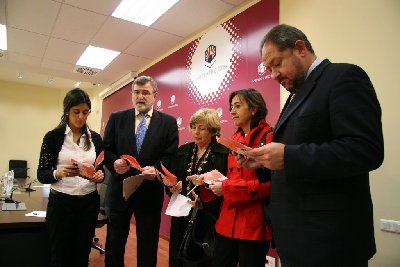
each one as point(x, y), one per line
point(204, 73)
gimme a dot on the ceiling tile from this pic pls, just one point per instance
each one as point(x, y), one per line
point(18, 40)
point(64, 51)
point(105, 7)
point(193, 16)
point(126, 63)
point(117, 34)
point(77, 25)
point(153, 43)
point(36, 16)
point(24, 59)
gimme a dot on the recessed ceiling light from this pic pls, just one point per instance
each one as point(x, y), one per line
point(97, 57)
point(50, 79)
point(144, 12)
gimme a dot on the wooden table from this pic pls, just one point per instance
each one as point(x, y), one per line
point(24, 240)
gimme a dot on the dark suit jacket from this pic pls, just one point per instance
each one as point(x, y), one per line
point(159, 145)
point(321, 207)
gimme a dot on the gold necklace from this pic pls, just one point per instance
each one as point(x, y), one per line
point(196, 166)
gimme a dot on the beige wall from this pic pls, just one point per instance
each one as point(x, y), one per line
point(26, 113)
point(364, 32)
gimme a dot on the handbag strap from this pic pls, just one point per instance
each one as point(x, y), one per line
point(264, 137)
point(195, 209)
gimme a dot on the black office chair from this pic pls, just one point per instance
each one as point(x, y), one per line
point(102, 218)
point(20, 168)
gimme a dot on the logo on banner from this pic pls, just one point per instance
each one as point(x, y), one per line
point(210, 54)
point(179, 123)
point(210, 76)
point(159, 104)
point(261, 69)
point(173, 102)
point(220, 112)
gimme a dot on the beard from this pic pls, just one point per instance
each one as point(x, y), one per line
point(300, 75)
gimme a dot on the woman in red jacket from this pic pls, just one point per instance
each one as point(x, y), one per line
point(243, 235)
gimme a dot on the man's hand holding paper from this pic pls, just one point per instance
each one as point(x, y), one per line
point(270, 156)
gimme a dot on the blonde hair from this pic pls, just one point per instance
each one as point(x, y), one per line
point(210, 118)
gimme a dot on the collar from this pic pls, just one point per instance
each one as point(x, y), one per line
point(68, 131)
point(316, 62)
point(149, 113)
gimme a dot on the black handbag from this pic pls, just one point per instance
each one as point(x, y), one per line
point(198, 243)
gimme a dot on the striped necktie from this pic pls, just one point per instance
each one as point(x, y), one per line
point(141, 132)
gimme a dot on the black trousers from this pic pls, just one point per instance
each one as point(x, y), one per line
point(147, 232)
point(71, 222)
point(231, 251)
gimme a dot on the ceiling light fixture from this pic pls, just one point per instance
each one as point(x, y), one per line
point(3, 37)
point(144, 12)
point(97, 57)
point(76, 85)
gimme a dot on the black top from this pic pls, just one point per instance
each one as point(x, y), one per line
point(51, 147)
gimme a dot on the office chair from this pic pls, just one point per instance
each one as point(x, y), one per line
point(102, 218)
point(20, 168)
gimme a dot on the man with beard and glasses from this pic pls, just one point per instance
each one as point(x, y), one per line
point(326, 141)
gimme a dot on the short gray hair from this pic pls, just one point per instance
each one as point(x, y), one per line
point(142, 80)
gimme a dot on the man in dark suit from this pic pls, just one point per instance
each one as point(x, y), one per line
point(122, 136)
point(326, 141)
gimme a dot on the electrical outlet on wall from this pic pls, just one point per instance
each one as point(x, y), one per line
point(390, 225)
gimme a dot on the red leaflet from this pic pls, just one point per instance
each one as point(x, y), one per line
point(168, 179)
point(232, 145)
point(85, 170)
point(132, 161)
point(99, 159)
point(212, 177)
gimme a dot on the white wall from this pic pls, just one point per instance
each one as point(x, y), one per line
point(27, 112)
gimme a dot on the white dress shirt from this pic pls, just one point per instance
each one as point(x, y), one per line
point(70, 150)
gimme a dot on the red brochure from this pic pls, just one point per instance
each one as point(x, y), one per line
point(168, 179)
point(85, 170)
point(212, 177)
point(232, 145)
point(99, 159)
point(132, 161)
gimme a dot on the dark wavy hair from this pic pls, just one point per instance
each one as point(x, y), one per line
point(73, 98)
point(254, 100)
point(285, 36)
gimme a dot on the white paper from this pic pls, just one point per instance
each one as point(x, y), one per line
point(36, 213)
point(178, 206)
point(132, 183)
